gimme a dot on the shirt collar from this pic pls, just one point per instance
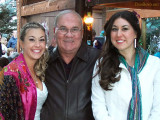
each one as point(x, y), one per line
point(81, 54)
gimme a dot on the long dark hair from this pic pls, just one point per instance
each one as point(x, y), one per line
point(109, 60)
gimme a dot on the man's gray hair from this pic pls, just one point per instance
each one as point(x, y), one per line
point(66, 12)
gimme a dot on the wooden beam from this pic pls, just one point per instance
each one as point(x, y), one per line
point(144, 33)
point(102, 2)
point(19, 4)
point(33, 1)
point(105, 2)
point(136, 5)
point(80, 7)
point(144, 13)
point(43, 7)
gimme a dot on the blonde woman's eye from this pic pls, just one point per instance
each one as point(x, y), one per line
point(31, 39)
point(42, 39)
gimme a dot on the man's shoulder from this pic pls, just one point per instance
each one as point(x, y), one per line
point(93, 50)
point(54, 54)
point(93, 53)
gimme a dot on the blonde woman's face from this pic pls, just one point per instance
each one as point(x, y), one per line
point(34, 44)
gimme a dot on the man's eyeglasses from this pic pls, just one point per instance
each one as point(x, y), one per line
point(73, 30)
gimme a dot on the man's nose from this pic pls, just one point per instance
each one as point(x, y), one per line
point(69, 33)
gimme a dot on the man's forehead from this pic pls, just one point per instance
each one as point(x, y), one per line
point(68, 24)
point(69, 17)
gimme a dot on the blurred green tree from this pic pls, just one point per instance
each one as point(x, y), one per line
point(7, 15)
point(153, 34)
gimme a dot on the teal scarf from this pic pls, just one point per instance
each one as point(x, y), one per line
point(135, 106)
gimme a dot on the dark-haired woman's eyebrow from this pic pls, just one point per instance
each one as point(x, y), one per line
point(125, 26)
point(114, 26)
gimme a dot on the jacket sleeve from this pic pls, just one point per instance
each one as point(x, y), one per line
point(10, 101)
point(155, 111)
point(98, 99)
point(9, 43)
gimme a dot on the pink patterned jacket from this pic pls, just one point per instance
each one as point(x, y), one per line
point(18, 95)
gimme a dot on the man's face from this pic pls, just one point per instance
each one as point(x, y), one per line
point(69, 33)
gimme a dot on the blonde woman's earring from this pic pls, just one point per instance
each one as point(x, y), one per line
point(135, 41)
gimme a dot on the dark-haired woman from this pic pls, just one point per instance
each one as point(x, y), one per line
point(127, 79)
point(22, 88)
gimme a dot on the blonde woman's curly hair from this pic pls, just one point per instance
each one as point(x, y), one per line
point(41, 65)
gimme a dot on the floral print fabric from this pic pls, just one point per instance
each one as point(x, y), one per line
point(18, 91)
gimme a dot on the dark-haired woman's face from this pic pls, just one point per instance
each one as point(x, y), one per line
point(122, 35)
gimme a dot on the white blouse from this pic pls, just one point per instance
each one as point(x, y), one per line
point(41, 97)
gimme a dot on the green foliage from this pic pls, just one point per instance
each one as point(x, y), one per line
point(153, 34)
point(140, 42)
point(7, 12)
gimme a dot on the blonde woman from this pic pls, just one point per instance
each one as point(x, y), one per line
point(22, 88)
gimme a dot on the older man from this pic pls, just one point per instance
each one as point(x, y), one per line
point(69, 73)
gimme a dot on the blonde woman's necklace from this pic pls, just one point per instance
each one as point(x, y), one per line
point(34, 77)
